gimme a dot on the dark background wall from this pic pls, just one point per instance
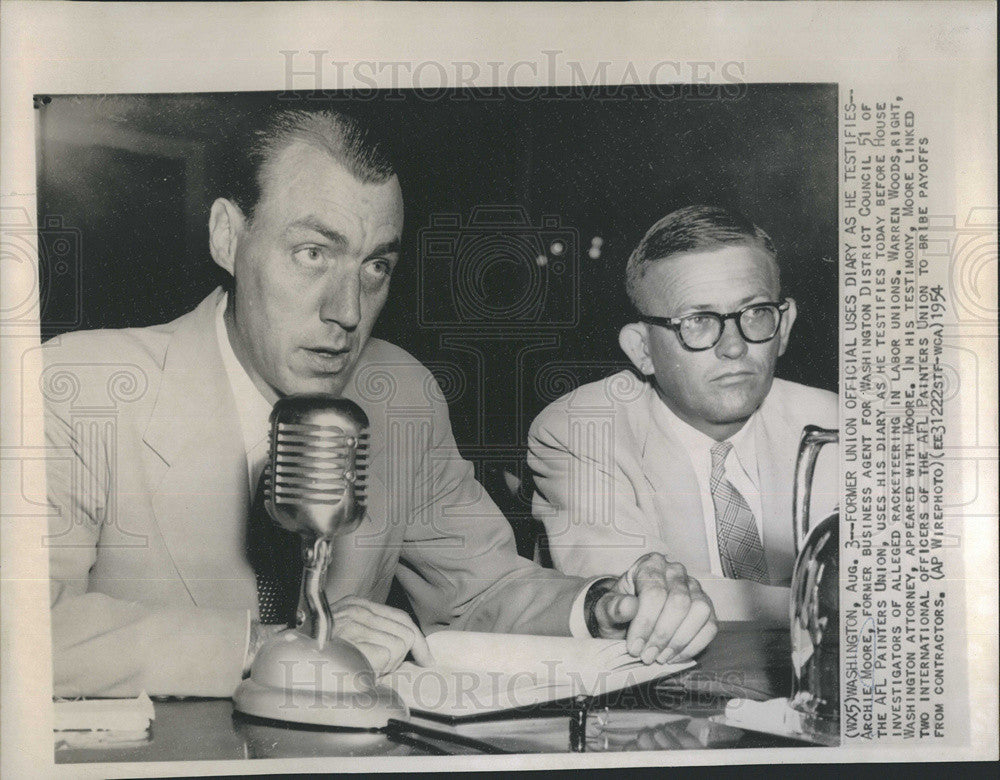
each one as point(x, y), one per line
point(490, 183)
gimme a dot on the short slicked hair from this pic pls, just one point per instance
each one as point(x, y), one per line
point(346, 139)
point(691, 229)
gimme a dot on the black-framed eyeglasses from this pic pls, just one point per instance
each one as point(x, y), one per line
point(702, 330)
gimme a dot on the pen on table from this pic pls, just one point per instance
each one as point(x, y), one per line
point(427, 747)
point(406, 730)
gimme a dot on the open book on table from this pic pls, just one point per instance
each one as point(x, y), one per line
point(477, 674)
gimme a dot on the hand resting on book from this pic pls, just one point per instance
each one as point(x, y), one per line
point(384, 634)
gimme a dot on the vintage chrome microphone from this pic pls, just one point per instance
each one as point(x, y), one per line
point(314, 486)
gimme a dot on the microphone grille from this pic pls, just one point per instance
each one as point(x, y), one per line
point(318, 457)
point(317, 464)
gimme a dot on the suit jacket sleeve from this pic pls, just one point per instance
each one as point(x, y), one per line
point(159, 649)
point(586, 496)
point(459, 562)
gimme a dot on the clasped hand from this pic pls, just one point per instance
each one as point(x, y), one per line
point(661, 612)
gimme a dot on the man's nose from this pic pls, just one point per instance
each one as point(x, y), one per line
point(341, 301)
point(731, 344)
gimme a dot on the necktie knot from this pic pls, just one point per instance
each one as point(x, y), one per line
point(720, 451)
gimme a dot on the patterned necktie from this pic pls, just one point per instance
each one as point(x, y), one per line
point(740, 548)
point(276, 557)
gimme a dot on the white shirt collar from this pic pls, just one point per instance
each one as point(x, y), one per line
point(743, 441)
point(741, 470)
point(252, 408)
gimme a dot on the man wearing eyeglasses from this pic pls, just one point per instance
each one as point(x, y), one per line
point(695, 461)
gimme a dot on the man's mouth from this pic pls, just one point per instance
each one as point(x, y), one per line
point(733, 377)
point(327, 360)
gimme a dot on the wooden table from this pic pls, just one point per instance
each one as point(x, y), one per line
point(744, 661)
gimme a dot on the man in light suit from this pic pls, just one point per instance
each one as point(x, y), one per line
point(696, 459)
point(157, 436)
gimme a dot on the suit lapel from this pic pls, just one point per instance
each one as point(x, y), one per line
point(201, 501)
point(777, 446)
point(676, 495)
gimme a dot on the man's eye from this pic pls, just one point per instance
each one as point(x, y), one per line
point(378, 269)
point(698, 320)
point(309, 256)
point(758, 313)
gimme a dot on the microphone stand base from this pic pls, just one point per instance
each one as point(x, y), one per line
point(369, 710)
point(293, 680)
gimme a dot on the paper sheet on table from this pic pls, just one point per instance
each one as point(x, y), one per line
point(479, 673)
point(774, 716)
point(125, 715)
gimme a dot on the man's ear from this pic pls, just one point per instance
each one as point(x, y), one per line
point(785, 329)
point(633, 339)
point(225, 224)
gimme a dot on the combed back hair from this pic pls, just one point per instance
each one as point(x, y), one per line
point(346, 139)
point(691, 229)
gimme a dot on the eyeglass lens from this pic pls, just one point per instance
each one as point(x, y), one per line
point(758, 323)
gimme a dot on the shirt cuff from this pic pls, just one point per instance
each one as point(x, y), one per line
point(577, 617)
